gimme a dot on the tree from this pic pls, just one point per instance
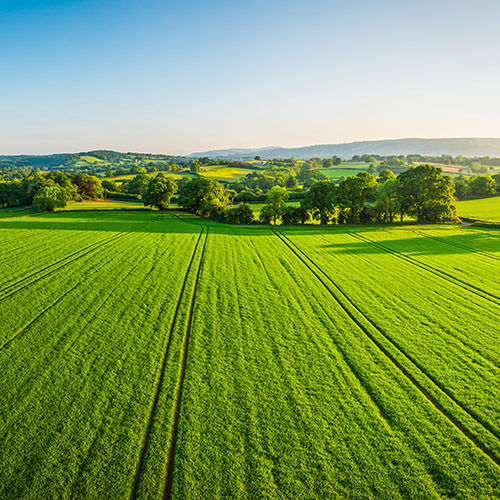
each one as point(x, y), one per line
point(387, 200)
point(320, 200)
point(266, 215)
point(295, 215)
point(242, 214)
point(199, 194)
point(276, 202)
point(159, 192)
point(195, 167)
point(461, 189)
point(385, 174)
point(50, 197)
point(424, 192)
point(138, 185)
point(482, 185)
point(354, 192)
point(291, 182)
point(258, 158)
point(327, 163)
point(89, 188)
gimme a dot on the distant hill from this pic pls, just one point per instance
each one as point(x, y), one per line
point(434, 147)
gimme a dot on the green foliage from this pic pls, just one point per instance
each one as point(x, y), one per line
point(426, 194)
point(48, 198)
point(482, 185)
point(242, 214)
point(89, 188)
point(320, 200)
point(353, 193)
point(199, 194)
point(159, 192)
point(276, 202)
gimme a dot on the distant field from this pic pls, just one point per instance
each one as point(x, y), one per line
point(223, 173)
point(90, 159)
point(303, 362)
point(257, 207)
point(129, 177)
point(487, 209)
point(345, 169)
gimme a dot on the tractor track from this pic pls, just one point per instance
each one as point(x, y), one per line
point(159, 385)
point(59, 264)
point(302, 256)
point(433, 270)
point(167, 492)
point(37, 317)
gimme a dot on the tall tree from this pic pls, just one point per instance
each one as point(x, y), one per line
point(427, 194)
point(200, 194)
point(320, 200)
point(276, 202)
point(159, 192)
point(354, 192)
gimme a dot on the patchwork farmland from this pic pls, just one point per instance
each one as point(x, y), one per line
point(149, 355)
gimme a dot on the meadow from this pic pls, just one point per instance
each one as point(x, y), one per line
point(147, 354)
point(485, 209)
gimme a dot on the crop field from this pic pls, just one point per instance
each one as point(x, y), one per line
point(487, 209)
point(223, 173)
point(345, 170)
point(149, 355)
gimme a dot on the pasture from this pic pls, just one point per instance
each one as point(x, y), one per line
point(484, 209)
point(147, 355)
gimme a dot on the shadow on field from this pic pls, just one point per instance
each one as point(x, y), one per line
point(415, 241)
point(366, 240)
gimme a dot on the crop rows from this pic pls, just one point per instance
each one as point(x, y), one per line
point(189, 359)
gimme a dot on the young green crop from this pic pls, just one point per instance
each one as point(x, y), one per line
point(321, 362)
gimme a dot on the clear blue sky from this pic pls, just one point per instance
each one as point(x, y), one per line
point(188, 75)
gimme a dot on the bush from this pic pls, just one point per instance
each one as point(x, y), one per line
point(113, 195)
point(242, 214)
point(48, 198)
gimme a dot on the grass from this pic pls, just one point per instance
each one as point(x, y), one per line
point(485, 209)
point(345, 170)
point(128, 177)
point(223, 173)
point(311, 362)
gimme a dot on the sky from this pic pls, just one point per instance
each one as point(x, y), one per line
point(182, 76)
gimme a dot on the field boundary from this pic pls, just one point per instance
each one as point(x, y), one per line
point(159, 385)
point(295, 250)
point(431, 269)
point(52, 268)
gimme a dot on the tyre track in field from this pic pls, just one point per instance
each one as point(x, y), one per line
point(92, 272)
point(458, 245)
point(38, 316)
point(159, 385)
point(59, 264)
point(431, 269)
point(167, 492)
point(302, 256)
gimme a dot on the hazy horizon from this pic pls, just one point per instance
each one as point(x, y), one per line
point(168, 78)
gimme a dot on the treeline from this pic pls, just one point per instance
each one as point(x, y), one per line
point(476, 186)
point(49, 191)
point(422, 192)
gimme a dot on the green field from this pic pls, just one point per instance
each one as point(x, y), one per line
point(223, 173)
point(144, 353)
point(486, 209)
point(345, 170)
